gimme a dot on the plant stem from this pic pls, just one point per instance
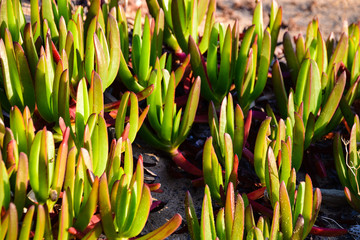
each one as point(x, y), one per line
point(182, 162)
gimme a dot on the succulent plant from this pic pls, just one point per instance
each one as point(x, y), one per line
point(232, 122)
point(51, 85)
point(17, 78)
point(167, 128)
point(298, 207)
point(54, 118)
point(256, 50)
point(51, 174)
point(347, 164)
point(182, 20)
point(213, 171)
point(234, 221)
point(103, 44)
point(319, 113)
point(317, 73)
point(146, 47)
point(216, 80)
point(285, 138)
point(12, 17)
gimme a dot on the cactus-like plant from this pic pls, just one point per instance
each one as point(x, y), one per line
point(285, 138)
point(168, 127)
point(182, 19)
point(347, 165)
point(234, 221)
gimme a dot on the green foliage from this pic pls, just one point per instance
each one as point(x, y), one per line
point(182, 20)
point(347, 165)
point(61, 75)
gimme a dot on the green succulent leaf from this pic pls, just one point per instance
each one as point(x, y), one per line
point(285, 210)
point(40, 223)
point(65, 218)
point(27, 222)
point(105, 208)
point(207, 225)
point(191, 218)
point(330, 107)
point(189, 112)
point(261, 147)
point(88, 209)
point(141, 213)
point(21, 185)
point(165, 230)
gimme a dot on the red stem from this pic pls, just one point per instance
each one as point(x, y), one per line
point(247, 126)
point(201, 118)
point(182, 162)
point(328, 232)
point(198, 182)
point(181, 100)
point(258, 193)
point(248, 155)
point(320, 168)
point(155, 204)
point(260, 208)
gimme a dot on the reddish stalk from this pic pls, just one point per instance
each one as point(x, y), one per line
point(183, 163)
point(201, 118)
point(254, 195)
point(154, 205)
point(198, 182)
point(248, 155)
point(320, 168)
point(260, 208)
point(328, 232)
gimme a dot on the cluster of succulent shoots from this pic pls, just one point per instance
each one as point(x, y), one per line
point(66, 77)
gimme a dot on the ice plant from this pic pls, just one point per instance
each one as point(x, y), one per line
point(347, 165)
point(16, 75)
point(146, 48)
point(319, 112)
point(128, 129)
point(167, 127)
point(51, 85)
point(216, 81)
point(316, 69)
point(213, 171)
point(80, 43)
point(298, 207)
point(103, 45)
point(126, 197)
point(234, 221)
point(12, 17)
point(21, 130)
point(353, 52)
point(230, 121)
point(285, 138)
point(256, 51)
point(182, 20)
point(81, 196)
